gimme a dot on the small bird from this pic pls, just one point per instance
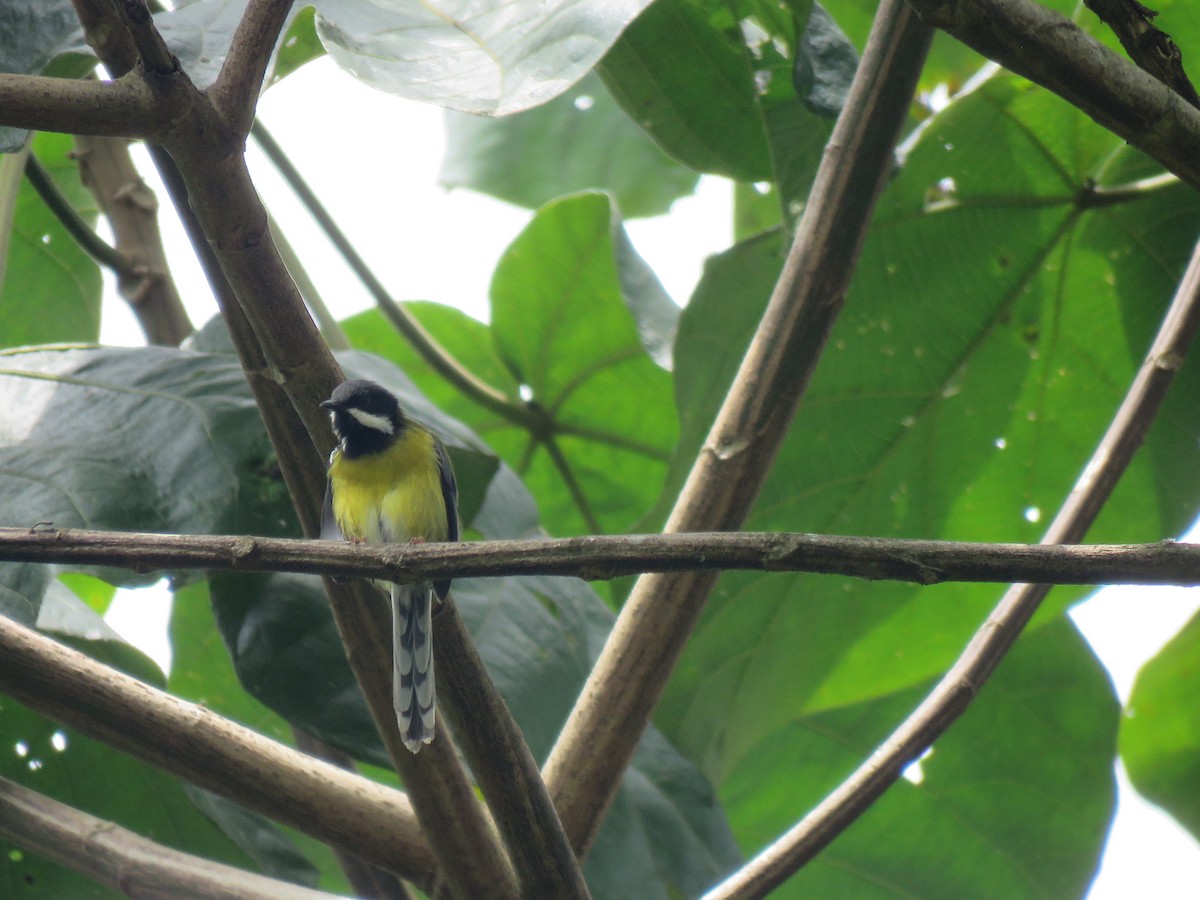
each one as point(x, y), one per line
point(390, 481)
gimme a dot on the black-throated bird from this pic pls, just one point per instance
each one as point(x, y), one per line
point(390, 481)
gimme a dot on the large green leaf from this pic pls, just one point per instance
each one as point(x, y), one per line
point(51, 289)
point(495, 58)
point(713, 85)
point(998, 314)
point(1014, 801)
point(578, 141)
point(1160, 732)
point(573, 312)
point(146, 439)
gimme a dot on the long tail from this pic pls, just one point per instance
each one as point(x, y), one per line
point(413, 692)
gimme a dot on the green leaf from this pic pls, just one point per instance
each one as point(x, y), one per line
point(1160, 732)
point(83, 773)
point(149, 439)
point(495, 59)
point(201, 670)
point(300, 45)
point(681, 72)
point(573, 310)
point(1013, 801)
point(998, 315)
point(32, 34)
point(51, 289)
point(577, 141)
point(715, 89)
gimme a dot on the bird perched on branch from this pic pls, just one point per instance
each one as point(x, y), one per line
point(390, 481)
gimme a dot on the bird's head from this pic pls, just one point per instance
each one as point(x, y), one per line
point(366, 417)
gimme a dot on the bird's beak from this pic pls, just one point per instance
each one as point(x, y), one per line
point(327, 404)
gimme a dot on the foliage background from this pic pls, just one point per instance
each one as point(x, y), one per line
point(997, 317)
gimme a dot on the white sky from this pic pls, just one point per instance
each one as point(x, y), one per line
point(373, 158)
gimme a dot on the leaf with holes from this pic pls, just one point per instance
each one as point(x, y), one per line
point(1000, 309)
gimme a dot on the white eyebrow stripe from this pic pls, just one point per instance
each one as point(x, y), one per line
point(370, 420)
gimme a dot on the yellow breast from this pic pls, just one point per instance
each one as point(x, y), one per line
point(393, 496)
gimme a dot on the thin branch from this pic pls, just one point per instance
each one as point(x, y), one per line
point(152, 50)
point(614, 556)
point(236, 89)
point(437, 357)
point(1152, 49)
point(1033, 41)
point(87, 239)
point(599, 739)
point(125, 107)
point(375, 822)
point(962, 683)
point(123, 860)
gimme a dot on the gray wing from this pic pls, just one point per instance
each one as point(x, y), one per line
point(330, 530)
point(450, 496)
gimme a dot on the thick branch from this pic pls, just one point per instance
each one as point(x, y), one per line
point(121, 108)
point(1152, 49)
point(374, 822)
point(1041, 45)
point(614, 556)
point(123, 860)
point(603, 730)
point(237, 86)
point(962, 683)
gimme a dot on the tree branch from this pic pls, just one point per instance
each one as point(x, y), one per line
point(600, 737)
point(82, 233)
point(1041, 45)
point(614, 556)
point(145, 282)
point(1152, 49)
point(123, 860)
point(374, 822)
point(962, 683)
point(125, 107)
point(236, 89)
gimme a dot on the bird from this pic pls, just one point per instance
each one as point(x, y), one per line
point(390, 481)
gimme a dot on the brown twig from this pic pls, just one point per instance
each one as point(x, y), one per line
point(1039, 44)
point(235, 91)
point(144, 281)
point(603, 730)
point(123, 860)
point(614, 556)
point(962, 683)
point(125, 107)
point(377, 823)
point(1152, 49)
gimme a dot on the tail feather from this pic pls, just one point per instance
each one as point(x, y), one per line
point(413, 692)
